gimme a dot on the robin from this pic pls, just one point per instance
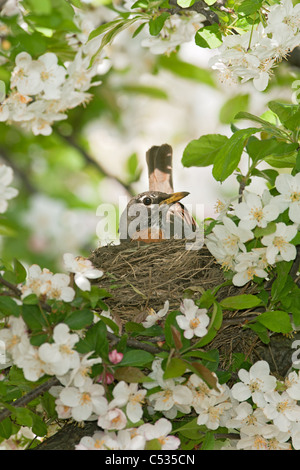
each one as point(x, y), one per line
point(157, 214)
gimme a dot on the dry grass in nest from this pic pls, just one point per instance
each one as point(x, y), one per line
point(142, 276)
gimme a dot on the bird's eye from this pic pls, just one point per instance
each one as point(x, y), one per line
point(147, 201)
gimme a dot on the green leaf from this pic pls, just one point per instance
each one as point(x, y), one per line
point(293, 123)
point(95, 340)
point(140, 4)
point(283, 281)
point(38, 7)
point(261, 232)
point(95, 295)
point(102, 29)
point(38, 426)
point(30, 299)
point(152, 92)
point(132, 164)
point(276, 320)
point(20, 272)
point(136, 357)
point(214, 326)
point(241, 302)
point(205, 374)
point(120, 25)
point(33, 317)
point(228, 157)
point(185, 70)
point(6, 428)
point(288, 114)
point(169, 332)
point(208, 441)
point(191, 430)
point(282, 110)
point(76, 3)
point(156, 24)
point(282, 161)
point(297, 164)
point(260, 330)
point(9, 307)
point(268, 126)
point(153, 444)
point(268, 174)
point(202, 152)
point(131, 375)
point(175, 368)
point(185, 3)
point(248, 7)
point(209, 36)
point(79, 319)
point(133, 327)
point(23, 416)
point(232, 106)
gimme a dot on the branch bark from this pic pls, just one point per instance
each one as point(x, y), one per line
point(91, 161)
point(23, 401)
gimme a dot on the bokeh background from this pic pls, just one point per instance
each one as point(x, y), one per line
point(98, 154)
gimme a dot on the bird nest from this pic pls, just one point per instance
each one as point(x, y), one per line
point(140, 277)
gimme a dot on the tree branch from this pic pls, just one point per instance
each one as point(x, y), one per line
point(199, 7)
point(90, 160)
point(133, 343)
point(23, 401)
point(21, 174)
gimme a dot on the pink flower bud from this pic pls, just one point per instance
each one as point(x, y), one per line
point(109, 378)
point(115, 357)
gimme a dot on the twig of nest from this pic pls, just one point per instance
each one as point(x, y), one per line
point(142, 276)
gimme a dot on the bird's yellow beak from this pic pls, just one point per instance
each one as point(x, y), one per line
point(175, 197)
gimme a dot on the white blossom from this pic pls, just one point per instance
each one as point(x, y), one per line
point(222, 253)
point(289, 188)
point(282, 409)
point(254, 383)
point(253, 54)
point(6, 191)
point(160, 431)
point(292, 383)
point(114, 419)
point(43, 282)
point(214, 412)
point(154, 317)
point(245, 415)
point(171, 399)
point(200, 392)
point(60, 355)
point(83, 270)
point(86, 402)
point(194, 320)
point(247, 266)
point(126, 439)
point(232, 237)
point(284, 15)
point(252, 212)
point(131, 397)
point(267, 437)
point(177, 30)
point(15, 337)
point(277, 243)
point(80, 371)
